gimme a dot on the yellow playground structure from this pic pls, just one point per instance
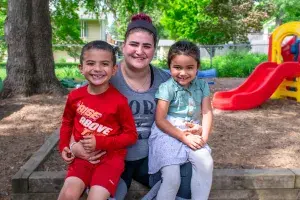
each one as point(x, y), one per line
point(290, 87)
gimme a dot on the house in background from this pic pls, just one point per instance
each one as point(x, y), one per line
point(92, 28)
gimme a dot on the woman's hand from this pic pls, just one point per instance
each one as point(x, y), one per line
point(80, 152)
point(195, 129)
point(67, 156)
point(193, 141)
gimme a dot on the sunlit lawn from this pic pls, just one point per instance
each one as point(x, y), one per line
point(61, 73)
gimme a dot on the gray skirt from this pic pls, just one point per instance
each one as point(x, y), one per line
point(166, 150)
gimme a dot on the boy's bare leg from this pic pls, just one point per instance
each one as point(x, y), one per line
point(72, 189)
point(98, 192)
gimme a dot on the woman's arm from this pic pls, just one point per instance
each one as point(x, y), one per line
point(193, 141)
point(128, 134)
point(207, 118)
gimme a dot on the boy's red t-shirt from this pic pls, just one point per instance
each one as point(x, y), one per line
point(107, 116)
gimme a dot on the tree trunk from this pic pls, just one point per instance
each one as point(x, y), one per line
point(30, 64)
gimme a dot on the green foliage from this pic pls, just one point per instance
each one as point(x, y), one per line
point(3, 11)
point(123, 10)
point(234, 64)
point(2, 73)
point(160, 63)
point(66, 26)
point(66, 65)
point(237, 63)
point(65, 72)
point(211, 22)
point(62, 70)
point(284, 10)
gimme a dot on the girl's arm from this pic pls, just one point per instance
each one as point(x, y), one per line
point(207, 118)
point(193, 141)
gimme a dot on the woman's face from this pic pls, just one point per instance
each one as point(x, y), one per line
point(139, 49)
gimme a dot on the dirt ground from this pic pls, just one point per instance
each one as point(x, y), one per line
point(265, 137)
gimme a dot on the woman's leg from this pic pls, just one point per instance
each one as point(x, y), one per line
point(72, 189)
point(170, 182)
point(98, 192)
point(202, 173)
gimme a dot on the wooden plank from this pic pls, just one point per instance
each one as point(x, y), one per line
point(20, 179)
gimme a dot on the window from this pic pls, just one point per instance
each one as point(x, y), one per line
point(84, 29)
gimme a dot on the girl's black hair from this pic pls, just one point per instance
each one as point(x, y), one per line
point(184, 47)
point(100, 45)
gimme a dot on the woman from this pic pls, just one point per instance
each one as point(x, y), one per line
point(138, 80)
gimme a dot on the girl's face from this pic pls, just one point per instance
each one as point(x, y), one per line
point(139, 49)
point(183, 69)
point(97, 67)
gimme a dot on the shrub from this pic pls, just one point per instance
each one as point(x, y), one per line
point(237, 63)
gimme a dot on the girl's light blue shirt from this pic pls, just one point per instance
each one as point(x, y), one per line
point(184, 102)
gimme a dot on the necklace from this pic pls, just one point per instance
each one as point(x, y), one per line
point(134, 86)
point(140, 88)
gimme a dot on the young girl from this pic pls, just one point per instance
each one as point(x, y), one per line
point(99, 118)
point(182, 99)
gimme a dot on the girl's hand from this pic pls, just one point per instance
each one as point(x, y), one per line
point(193, 141)
point(89, 143)
point(195, 129)
point(67, 156)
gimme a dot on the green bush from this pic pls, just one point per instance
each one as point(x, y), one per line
point(2, 65)
point(237, 63)
point(160, 63)
point(66, 65)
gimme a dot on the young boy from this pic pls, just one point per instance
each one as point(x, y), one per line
point(98, 116)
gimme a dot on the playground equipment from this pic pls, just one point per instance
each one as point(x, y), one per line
point(278, 74)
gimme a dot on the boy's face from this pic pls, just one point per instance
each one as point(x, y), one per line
point(183, 69)
point(97, 67)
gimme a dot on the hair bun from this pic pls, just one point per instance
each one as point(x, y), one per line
point(141, 16)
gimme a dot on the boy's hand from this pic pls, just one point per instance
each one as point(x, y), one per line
point(67, 156)
point(195, 129)
point(89, 143)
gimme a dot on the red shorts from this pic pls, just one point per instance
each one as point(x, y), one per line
point(106, 173)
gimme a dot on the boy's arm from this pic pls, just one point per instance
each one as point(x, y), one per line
point(207, 118)
point(128, 135)
point(66, 125)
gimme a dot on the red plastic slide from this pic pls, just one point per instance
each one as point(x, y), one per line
point(257, 88)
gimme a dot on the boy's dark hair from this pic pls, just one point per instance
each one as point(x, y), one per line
point(100, 45)
point(141, 22)
point(186, 48)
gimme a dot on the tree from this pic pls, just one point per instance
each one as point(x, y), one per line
point(28, 34)
point(122, 11)
point(30, 65)
point(212, 22)
point(66, 26)
point(284, 10)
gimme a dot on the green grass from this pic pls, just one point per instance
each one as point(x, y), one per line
point(62, 73)
point(2, 73)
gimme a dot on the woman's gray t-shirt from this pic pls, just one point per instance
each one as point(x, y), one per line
point(143, 107)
